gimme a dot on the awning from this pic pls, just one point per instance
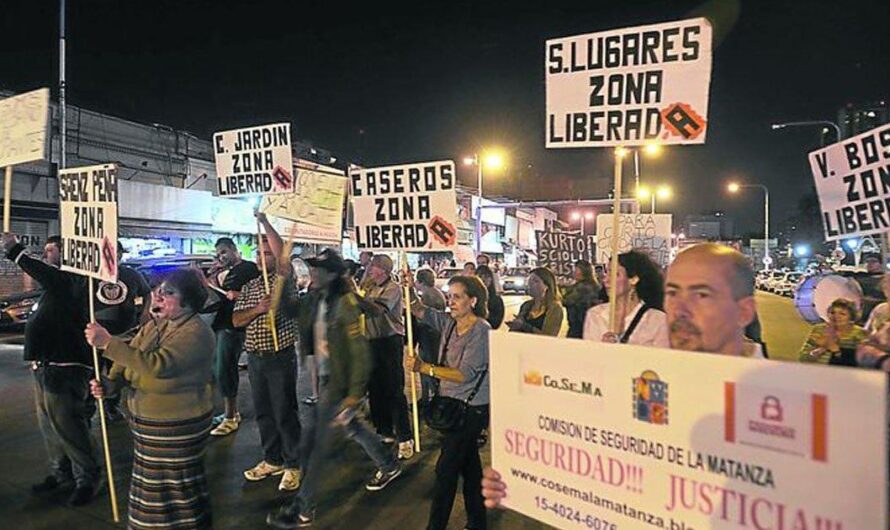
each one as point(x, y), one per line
point(144, 228)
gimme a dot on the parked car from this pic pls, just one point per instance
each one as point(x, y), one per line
point(770, 283)
point(760, 279)
point(514, 280)
point(444, 275)
point(788, 284)
point(15, 310)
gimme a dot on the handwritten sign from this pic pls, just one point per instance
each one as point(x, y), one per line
point(23, 125)
point(650, 233)
point(88, 219)
point(255, 160)
point(315, 206)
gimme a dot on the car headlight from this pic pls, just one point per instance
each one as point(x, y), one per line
point(520, 282)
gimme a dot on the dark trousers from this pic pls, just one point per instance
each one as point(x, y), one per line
point(273, 388)
point(386, 389)
point(64, 408)
point(229, 343)
point(460, 458)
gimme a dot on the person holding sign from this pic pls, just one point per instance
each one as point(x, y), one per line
point(462, 378)
point(709, 301)
point(168, 367)
point(62, 365)
point(542, 314)
point(640, 299)
point(272, 372)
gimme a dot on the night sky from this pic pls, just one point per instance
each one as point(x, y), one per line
point(405, 83)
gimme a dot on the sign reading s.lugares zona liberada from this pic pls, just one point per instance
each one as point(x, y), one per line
point(613, 436)
point(629, 86)
point(254, 161)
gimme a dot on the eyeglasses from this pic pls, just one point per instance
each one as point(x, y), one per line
point(165, 290)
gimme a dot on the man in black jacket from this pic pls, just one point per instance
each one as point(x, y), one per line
point(62, 365)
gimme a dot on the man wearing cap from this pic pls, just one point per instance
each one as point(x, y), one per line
point(335, 351)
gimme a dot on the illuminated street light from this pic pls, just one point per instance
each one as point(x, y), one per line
point(735, 187)
point(494, 161)
point(620, 152)
point(578, 216)
point(802, 250)
point(491, 160)
point(652, 149)
point(662, 192)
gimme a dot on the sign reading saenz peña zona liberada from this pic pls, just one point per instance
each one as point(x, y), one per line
point(629, 86)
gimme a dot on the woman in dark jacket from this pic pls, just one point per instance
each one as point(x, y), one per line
point(495, 301)
point(579, 297)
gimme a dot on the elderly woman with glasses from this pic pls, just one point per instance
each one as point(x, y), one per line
point(168, 368)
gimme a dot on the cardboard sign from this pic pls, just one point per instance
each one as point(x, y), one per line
point(411, 207)
point(23, 123)
point(614, 436)
point(315, 207)
point(88, 219)
point(558, 251)
point(629, 86)
point(650, 233)
point(853, 182)
point(255, 160)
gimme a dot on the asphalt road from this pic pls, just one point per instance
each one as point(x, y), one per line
point(344, 503)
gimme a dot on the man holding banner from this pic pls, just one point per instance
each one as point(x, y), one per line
point(61, 361)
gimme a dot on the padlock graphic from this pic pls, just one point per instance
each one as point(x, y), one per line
point(771, 409)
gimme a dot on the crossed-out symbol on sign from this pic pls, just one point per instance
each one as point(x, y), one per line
point(443, 231)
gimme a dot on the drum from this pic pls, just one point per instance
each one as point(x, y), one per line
point(818, 292)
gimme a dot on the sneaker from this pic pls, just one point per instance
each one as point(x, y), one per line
point(290, 480)
point(262, 471)
point(283, 518)
point(49, 484)
point(406, 450)
point(382, 478)
point(82, 495)
point(227, 427)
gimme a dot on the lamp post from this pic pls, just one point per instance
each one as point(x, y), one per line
point(808, 123)
point(662, 192)
point(494, 160)
point(650, 149)
point(582, 217)
point(734, 187)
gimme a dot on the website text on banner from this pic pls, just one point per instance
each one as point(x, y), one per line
point(650, 233)
point(88, 220)
point(628, 437)
point(313, 213)
point(558, 251)
point(853, 181)
point(629, 86)
point(411, 207)
point(23, 121)
point(254, 161)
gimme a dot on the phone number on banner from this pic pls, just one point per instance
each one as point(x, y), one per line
point(567, 512)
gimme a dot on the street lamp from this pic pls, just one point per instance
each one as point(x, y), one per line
point(578, 216)
point(808, 123)
point(662, 192)
point(650, 149)
point(493, 160)
point(735, 187)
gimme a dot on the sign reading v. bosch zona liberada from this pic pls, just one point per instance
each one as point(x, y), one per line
point(853, 181)
point(255, 160)
point(23, 121)
point(623, 437)
point(88, 219)
point(409, 207)
point(629, 86)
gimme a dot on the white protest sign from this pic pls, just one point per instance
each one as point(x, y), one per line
point(853, 182)
point(629, 86)
point(88, 219)
point(255, 160)
point(315, 207)
point(650, 233)
point(411, 207)
point(23, 124)
point(613, 436)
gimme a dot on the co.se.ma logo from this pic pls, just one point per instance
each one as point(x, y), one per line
point(772, 416)
point(535, 378)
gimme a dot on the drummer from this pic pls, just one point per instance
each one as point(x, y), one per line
point(835, 341)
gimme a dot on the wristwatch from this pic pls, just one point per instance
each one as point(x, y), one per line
point(431, 373)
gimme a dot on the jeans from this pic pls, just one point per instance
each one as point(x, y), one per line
point(229, 343)
point(460, 458)
point(386, 389)
point(317, 435)
point(273, 387)
point(64, 408)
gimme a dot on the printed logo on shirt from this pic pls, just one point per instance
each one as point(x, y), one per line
point(112, 293)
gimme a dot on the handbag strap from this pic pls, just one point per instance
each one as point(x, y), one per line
point(634, 323)
point(478, 386)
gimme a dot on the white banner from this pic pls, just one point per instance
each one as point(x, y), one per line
point(621, 437)
point(411, 207)
point(88, 219)
point(315, 207)
point(23, 123)
point(650, 233)
point(853, 182)
point(629, 86)
point(255, 160)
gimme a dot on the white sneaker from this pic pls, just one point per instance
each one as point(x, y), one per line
point(227, 427)
point(406, 450)
point(263, 470)
point(290, 480)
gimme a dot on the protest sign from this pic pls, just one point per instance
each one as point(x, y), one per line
point(613, 436)
point(23, 124)
point(88, 219)
point(255, 160)
point(558, 251)
point(411, 207)
point(853, 182)
point(650, 233)
point(314, 211)
point(629, 86)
